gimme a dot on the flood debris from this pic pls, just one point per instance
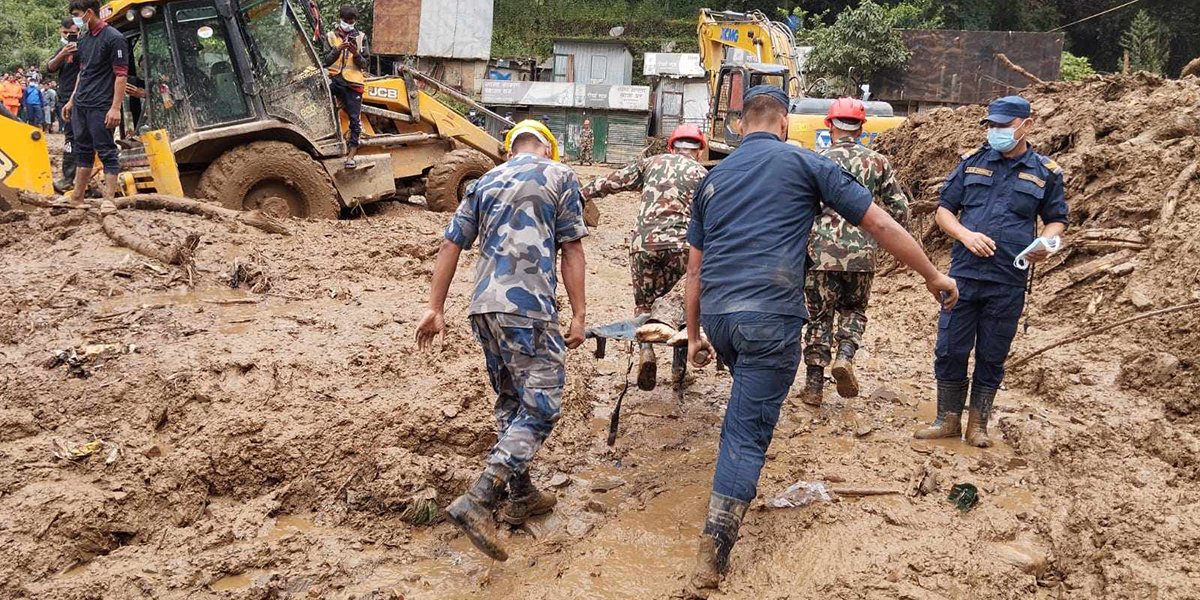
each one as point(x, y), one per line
point(76, 452)
point(964, 496)
point(802, 493)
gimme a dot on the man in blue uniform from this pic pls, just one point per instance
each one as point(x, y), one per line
point(749, 230)
point(989, 206)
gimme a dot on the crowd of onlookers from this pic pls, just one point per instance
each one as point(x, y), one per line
point(29, 98)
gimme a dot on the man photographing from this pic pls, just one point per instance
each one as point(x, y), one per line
point(94, 108)
point(346, 61)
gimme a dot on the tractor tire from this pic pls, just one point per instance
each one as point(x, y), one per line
point(447, 181)
point(274, 177)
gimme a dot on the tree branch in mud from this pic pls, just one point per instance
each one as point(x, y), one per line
point(1181, 182)
point(180, 254)
point(1099, 330)
point(1018, 68)
point(253, 218)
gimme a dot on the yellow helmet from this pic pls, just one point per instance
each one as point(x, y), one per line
point(536, 128)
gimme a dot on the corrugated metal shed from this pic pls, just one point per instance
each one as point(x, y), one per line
point(626, 136)
point(596, 62)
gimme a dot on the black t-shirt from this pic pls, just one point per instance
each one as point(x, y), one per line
point(68, 71)
point(103, 55)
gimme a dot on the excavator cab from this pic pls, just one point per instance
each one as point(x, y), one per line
point(237, 109)
point(732, 83)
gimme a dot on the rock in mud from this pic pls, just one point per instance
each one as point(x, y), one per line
point(559, 480)
point(1148, 370)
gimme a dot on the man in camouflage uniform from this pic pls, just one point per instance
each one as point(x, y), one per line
point(838, 286)
point(658, 251)
point(587, 139)
point(522, 212)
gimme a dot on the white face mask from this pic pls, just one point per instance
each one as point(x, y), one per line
point(64, 40)
point(345, 26)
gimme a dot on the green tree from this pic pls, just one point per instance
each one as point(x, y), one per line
point(1147, 44)
point(919, 14)
point(861, 42)
point(1075, 68)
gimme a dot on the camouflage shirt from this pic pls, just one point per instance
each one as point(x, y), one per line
point(836, 245)
point(521, 211)
point(586, 137)
point(668, 182)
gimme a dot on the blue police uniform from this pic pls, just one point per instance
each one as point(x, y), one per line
point(751, 217)
point(1001, 198)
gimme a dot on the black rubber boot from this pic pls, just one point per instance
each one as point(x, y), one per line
point(720, 533)
point(814, 385)
point(472, 514)
point(977, 417)
point(679, 364)
point(951, 395)
point(647, 376)
point(525, 501)
point(843, 371)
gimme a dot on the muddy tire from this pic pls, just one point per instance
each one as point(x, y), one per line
point(275, 177)
point(447, 181)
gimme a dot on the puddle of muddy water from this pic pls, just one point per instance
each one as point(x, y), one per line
point(240, 581)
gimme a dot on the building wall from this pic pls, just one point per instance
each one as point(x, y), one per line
point(459, 29)
point(598, 63)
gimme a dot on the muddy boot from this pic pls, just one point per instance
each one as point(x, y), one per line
point(843, 371)
point(647, 376)
point(472, 514)
point(951, 395)
point(525, 501)
point(679, 365)
point(978, 415)
point(814, 385)
point(720, 533)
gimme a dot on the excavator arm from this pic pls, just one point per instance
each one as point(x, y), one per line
point(753, 33)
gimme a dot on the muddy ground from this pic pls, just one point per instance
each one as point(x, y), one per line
point(280, 448)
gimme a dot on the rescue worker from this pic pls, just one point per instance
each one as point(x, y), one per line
point(658, 250)
point(66, 65)
point(843, 257)
point(587, 140)
point(10, 93)
point(523, 213)
point(749, 239)
point(94, 109)
point(989, 206)
point(346, 60)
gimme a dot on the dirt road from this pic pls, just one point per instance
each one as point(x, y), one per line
point(277, 447)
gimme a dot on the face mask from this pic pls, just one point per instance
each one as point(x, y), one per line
point(345, 26)
point(1003, 139)
point(64, 40)
point(78, 21)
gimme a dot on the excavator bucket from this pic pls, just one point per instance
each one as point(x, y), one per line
point(24, 158)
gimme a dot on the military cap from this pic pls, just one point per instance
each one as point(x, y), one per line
point(1004, 110)
point(769, 90)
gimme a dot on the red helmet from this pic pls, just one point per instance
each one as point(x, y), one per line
point(849, 109)
point(687, 131)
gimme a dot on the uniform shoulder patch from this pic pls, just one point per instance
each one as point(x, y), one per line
point(978, 171)
point(970, 153)
point(1050, 164)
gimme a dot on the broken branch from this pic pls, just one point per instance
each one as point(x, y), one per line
point(1185, 176)
point(253, 218)
point(181, 254)
point(1018, 68)
point(1099, 330)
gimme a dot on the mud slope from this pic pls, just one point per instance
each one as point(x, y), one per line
point(281, 448)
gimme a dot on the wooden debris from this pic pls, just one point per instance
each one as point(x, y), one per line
point(1086, 271)
point(253, 218)
point(1004, 60)
point(1175, 191)
point(180, 254)
point(233, 301)
point(1107, 240)
point(1099, 330)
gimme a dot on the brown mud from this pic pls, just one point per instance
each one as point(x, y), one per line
point(281, 445)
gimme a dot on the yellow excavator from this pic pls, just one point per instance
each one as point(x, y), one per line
point(742, 50)
point(238, 111)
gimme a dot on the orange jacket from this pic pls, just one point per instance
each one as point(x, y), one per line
point(10, 91)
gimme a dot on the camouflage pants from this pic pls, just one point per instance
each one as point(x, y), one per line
point(526, 362)
point(835, 298)
point(654, 274)
point(585, 152)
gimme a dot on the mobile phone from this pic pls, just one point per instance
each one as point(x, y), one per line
point(72, 37)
